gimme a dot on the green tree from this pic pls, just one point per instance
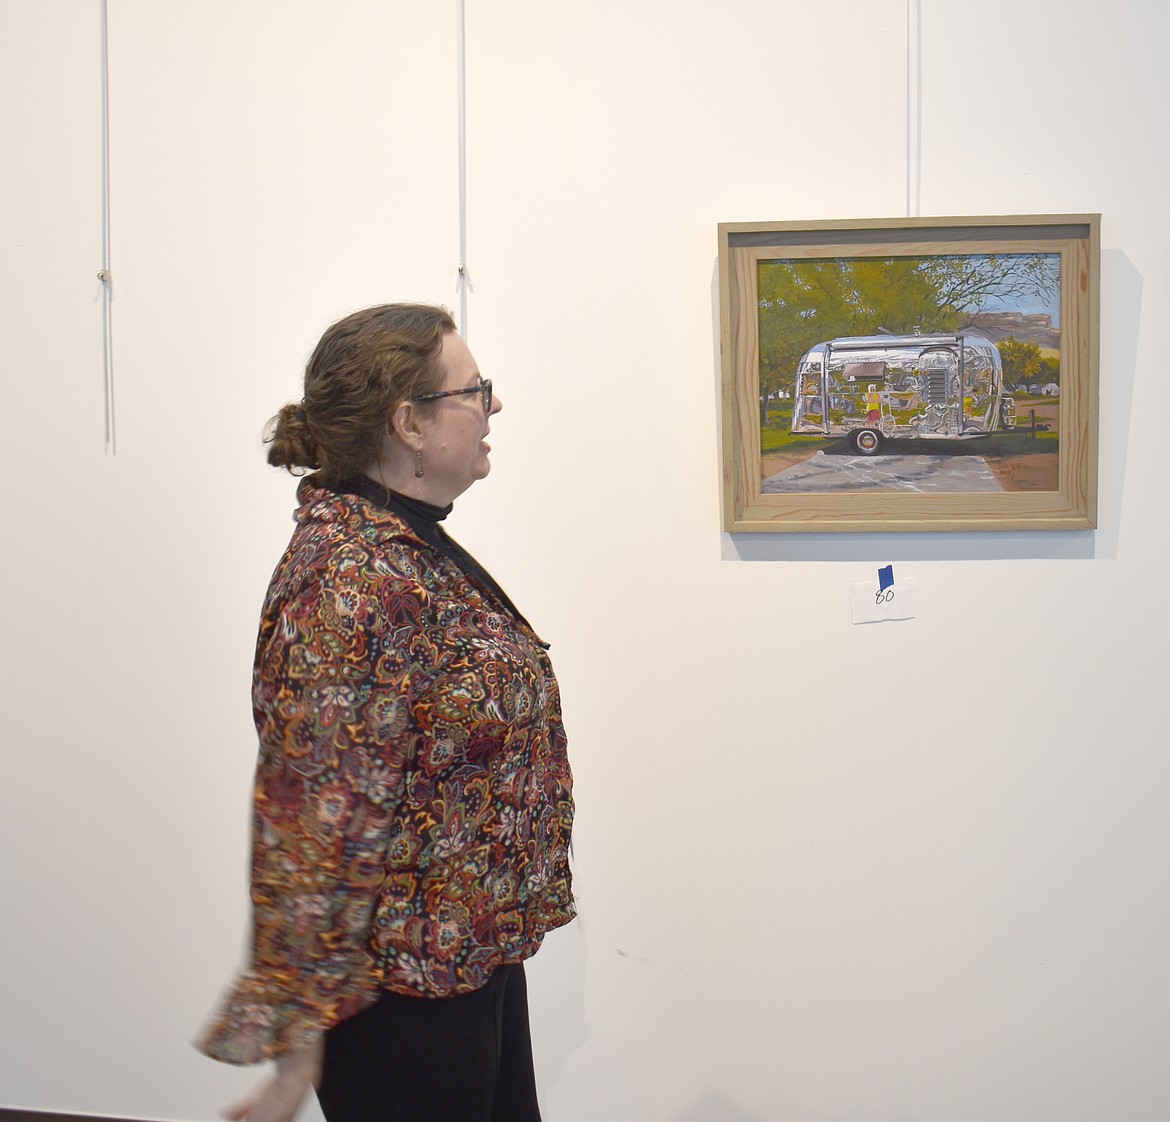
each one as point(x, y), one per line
point(1021, 361)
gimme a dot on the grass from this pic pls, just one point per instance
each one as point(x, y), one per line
point(777, 435)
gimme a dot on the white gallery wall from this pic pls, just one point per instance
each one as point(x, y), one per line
point(907, 871)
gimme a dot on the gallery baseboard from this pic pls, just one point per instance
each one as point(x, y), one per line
point(12, 1114)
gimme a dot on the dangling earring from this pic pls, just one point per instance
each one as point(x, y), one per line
point(418, 471)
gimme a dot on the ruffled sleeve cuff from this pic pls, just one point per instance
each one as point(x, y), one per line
point(259, 1019)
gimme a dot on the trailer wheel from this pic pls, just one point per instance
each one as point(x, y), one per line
point(867, 442)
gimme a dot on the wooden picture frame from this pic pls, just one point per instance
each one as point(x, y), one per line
point(899, 417)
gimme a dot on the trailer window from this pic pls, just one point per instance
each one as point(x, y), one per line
point(864, 371)
point(978, 367)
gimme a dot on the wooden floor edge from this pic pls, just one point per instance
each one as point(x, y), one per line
point(16, 1114)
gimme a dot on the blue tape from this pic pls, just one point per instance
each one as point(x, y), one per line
point(885, 578)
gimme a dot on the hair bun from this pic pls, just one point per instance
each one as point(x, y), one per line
point(291, 440)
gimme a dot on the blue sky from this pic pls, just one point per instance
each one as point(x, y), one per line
point(1032, 305)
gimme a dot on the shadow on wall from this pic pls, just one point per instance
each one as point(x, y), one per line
point(556, 1001)
point(714, 1106)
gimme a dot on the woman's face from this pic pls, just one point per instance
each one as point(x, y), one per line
point(454, 453)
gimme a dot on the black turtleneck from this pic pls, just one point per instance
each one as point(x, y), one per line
point(424, 518)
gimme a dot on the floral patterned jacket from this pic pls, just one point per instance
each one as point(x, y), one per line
point(412, 804)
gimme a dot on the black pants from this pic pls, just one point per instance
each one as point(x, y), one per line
point(417, 1059)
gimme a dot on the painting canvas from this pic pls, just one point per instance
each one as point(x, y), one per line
point(910, 375)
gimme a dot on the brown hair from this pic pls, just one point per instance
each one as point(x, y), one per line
point(363, 368)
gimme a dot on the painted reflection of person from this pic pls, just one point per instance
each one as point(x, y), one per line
point(412, 802)
point(873, 404)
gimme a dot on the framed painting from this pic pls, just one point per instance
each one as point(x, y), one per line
point(910, 374)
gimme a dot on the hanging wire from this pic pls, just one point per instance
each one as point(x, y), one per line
point(913, 107)
point(461, 97)
point(104, 272)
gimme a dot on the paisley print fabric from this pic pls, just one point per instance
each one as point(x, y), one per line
point(412, 804)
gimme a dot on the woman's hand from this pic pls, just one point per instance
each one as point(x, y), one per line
point(279, 1098)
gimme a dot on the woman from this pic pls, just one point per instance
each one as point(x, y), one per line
point(413, 802)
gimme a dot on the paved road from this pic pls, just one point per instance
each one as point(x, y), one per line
point(884, 473)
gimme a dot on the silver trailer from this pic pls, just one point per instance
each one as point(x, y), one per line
point(875, 387)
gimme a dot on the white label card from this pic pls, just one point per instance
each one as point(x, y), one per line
point(872, 603)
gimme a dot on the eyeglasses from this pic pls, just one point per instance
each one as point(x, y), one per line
point(483, 387)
